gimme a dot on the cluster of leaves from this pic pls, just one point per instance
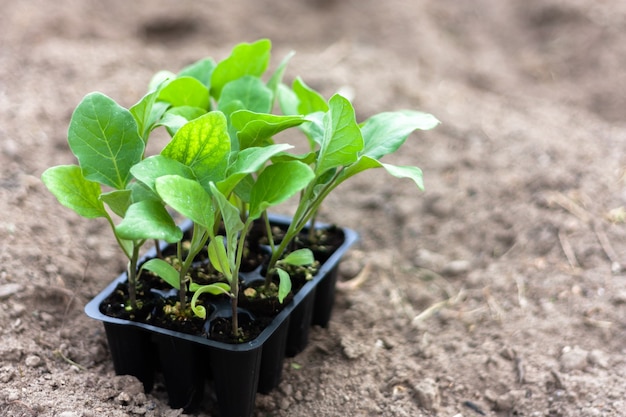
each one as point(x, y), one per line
point(222, 168)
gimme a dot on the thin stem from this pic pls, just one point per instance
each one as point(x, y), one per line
point(304, 213)
point(234, 284)
point(268, 228)
point(132, 276)
point(198, 239)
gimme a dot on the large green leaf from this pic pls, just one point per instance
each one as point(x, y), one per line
point(255, 129)
point(188, 198)
point(203, 145)
point(148, 220)
point(385, 132)
point(277, 183)
point(69, 186)
point(185, 91)
point(245, 59)
point(342, 139)
point(104, 137)
point(250, 91)
point(153, 167)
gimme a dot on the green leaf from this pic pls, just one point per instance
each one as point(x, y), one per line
point(147, 112)
point(164, 270)
point(299, 257)
point(203, 145)
point(284, 286)
point(342, 140)
point(385, 132)
point(410, 172)
point(215, 289)
point(250, 91)
point(159, 80)
point(200, 70)
point(104, 137)
point(151, 168)
point(277, 183)
point(177, 117)
point(362, 164)
point(185, 91)
point(245, 59)
point(255, 129)
point(314, 130)
point(365, 163)
point(219, 257)
point(277, 77)
point(141, 192)
point(188, 198)
point(251, 160)
point(118, 201)
point(310, 101)
point(69, 186)
point(148, 220)
point(287, 100)
point(231, 218)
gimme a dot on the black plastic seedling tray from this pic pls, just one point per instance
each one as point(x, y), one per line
point(237, 371)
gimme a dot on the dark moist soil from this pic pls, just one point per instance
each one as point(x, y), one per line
point(500, 289)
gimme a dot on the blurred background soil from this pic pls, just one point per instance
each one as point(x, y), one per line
point(499, 291)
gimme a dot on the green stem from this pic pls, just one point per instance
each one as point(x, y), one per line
point(132, 276)
point(306, 210)
point(198, 239)
point(234, 284)
point(268, 228)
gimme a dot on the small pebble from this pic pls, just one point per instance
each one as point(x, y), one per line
point(284, 403)
point(619, 298)
point(46, 317)
point(123, 398)
point(598, 358)
point(427, 393)
point(18, 310)
point(456, 268)
point(68, 414)
point(287, 389)
point(573, 359)
point(32, 361)
point(7, 290)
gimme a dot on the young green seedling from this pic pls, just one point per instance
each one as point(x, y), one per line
point(104, 138)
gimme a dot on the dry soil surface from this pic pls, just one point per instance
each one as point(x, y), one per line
point(499, 291)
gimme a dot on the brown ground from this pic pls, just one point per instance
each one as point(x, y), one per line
point(500, 285)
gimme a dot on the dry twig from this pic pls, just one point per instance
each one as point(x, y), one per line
point(430, 311)
point(568, 251)
point(586, 217)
